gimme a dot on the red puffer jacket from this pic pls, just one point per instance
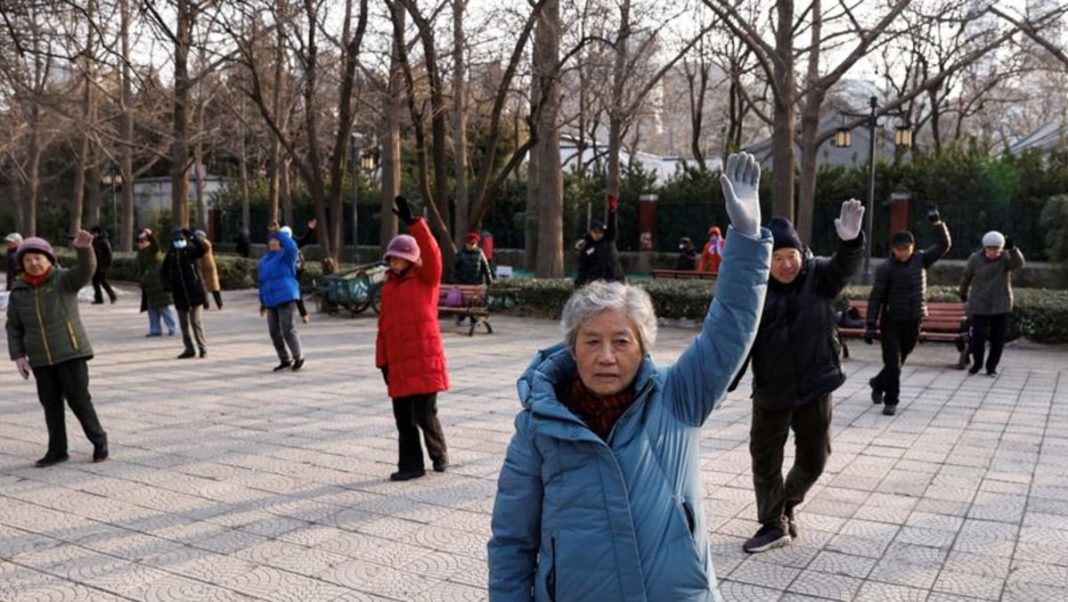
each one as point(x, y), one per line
point(409, 337)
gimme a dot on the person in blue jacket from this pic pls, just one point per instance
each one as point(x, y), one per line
point(279, 291)
point(599, 496)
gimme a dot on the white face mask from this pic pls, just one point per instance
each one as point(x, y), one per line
point(180, 244)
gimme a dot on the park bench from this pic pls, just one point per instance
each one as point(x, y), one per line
point(683, 275)
point(945, 322)
point(474, 304)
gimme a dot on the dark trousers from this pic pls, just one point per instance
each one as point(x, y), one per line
point(100, 280)
point(413, 413)
point(283, 332)
point(898, 339)
point(993, 328)
point(70, 381)
point(811, 424)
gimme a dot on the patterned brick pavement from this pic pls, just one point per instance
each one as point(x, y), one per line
point(230, 482)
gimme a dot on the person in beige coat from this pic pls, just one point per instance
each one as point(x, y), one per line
point(209, 271)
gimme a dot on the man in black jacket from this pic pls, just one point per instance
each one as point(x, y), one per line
point(102, 250)
point(796, 366)
point(598, 256)
point(897, 305)
point(180, 274)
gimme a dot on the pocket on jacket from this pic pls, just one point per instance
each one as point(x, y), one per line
point(73, 336)
point(550, 579)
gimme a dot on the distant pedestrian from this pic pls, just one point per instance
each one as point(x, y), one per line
point(408, 350)
point(712, 253)
point(45, 335)
point(598, 258)
point(471, 265)
point(987, 289)
point(154, 298)
point(796, 367)
point(102, 250)
point(687, 258)
point(279, 292)
point(308, 238)
point(181, 276)
point(12, 242)
point(897, 305)
point(209, 270)
point(242, 243)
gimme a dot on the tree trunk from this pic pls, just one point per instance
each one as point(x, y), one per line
point(782, 139)
point(274, 165)
point(180, 146)
point(285, 182)
point(391, 138)
point(459, 134)
point(550, 189)
point(126, 221)
point(810, 125)
point(246, 210)
point(615, 113)
point(33, 172)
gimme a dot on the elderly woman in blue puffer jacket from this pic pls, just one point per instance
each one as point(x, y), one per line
point(599, 497)
point(279, 292)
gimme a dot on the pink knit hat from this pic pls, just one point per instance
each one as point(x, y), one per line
point(34, 244)
point(403, 247)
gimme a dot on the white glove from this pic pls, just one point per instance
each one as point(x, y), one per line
point(740, 181)
point(23, 366)
point(83, 240)
point(849, 222)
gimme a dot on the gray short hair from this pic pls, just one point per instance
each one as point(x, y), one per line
point(599, 296)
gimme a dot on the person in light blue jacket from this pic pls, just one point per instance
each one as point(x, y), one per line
point(279, 291)
point(599, 497)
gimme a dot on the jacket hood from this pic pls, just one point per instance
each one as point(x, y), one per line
point(555, 366)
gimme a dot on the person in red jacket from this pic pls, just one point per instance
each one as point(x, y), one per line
point(409, 351)
point(712, 254)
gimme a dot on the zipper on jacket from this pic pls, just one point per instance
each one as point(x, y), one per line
point(73, 337)
point(550, 581)
point(40, 322)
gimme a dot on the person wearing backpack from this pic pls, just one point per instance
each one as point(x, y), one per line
point(408, 348)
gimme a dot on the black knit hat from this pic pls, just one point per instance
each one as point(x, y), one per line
point(902, 237)
point(784, 234)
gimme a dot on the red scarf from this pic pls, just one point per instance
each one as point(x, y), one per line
point(599, 413)
point(36, 281)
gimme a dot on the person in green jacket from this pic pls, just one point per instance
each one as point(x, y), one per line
point(45, 335)
point(154, 299)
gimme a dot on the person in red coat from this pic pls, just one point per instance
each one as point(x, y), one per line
point(712, 254)
point(409, 351)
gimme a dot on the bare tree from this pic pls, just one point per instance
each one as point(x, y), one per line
point(550, 184)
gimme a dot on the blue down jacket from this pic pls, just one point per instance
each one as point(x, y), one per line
point(578, 518)
point(277, 276)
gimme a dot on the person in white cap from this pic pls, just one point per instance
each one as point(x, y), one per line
point(987, 289)
point(12, 241)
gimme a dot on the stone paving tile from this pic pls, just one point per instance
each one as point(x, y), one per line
point(242, 484)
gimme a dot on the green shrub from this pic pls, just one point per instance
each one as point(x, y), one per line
point(1055, 217)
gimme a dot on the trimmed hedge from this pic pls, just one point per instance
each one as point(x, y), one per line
point(1039, 315)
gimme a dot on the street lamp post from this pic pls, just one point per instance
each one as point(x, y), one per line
point(902, 138)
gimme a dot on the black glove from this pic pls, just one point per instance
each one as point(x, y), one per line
point(1009, 245)
point(385, 374)
point(869, 335)
point(403, 211)
point(964, 297)
point(932, 213)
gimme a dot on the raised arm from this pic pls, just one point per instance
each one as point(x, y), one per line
point(942, 240)
point(834, 273)
point(699, 379)
point(1013, 256)
point(516, 526)
point(81, 274)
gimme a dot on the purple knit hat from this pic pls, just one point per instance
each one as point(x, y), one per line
point(404, 247)
point(34, 244)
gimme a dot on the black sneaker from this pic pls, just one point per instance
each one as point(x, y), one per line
point(876, 393)
point(766, 539)
point(203, 353)
point(992, 373)
point(282, 366)
point(890, 409)
point(407, 475)
point(100, 452)
point(791, 524)
point(975, 369)
point(50, 460)
point(298, 364)
point(188, 353)
point(441, 465)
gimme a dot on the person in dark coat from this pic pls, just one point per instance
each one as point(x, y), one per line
point(278, 292)
point(796, 367)
point(45, 336)
point(408, 348)
point(687, 258)
point(181, 276)
point(102, 250)
point(987, 289)
point(897, 304)
point(471, 265)
point(242, 243)
point(308, 238)
point(154, 298)
point(12, 242)
point(598, 256)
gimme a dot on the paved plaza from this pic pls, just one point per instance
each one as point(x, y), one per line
point(230, 482)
